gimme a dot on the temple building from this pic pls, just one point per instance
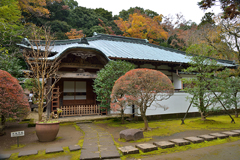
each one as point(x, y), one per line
point(81, 59)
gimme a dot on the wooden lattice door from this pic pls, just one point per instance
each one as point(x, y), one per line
point(55, 99)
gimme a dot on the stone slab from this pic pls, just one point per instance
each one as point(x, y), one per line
point(5, 156)
point(164, 144)
point(107, 148)
point(238, 131)
point(219, 135)
point(110, 154)
point(27, 153)
point(194, 139)
point(74, 147)
point(233, 134)
point(180, 142)
point(90, 149)
point(107, 143)
point(146, 147)
point(207, 137)
point(54, 150)
point(86, 155)
point(128, 150)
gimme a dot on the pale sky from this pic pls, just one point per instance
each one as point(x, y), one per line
point(188, 8)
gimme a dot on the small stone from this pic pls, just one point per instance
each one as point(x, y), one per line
point(146, 147)
point(194, 139)
point(27, 153)
point(128, 150)
point(54, 150)
point(219, 135)
point(74, 147)
point(131, 134)
point(164, 144)
point(207, 137)
point(233, 134)
point(180, 142)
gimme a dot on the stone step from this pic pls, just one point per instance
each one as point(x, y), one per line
point(232, 134)
point(238, 131)
point(5, 156)
point(74, 147)
point(146, 147)
point(54, 150)
point(194, 139)
point(164, 144)
point(207, 137)
point(128, 150)
point(219, 135)
point(180, 142)
point(27, 153)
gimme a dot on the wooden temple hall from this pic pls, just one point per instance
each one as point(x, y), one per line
point(81, 59)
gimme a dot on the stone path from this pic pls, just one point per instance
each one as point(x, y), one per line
point(98, 144)
point(146, 147)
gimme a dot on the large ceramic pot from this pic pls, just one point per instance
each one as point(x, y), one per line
point(47, 132)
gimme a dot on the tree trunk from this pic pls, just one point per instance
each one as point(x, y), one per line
point(40, 112)
point(2, 126)
point(235, 104)
point(145, 123)
point(201, 103)
point(203, 116)
point(49, 87)
point(3, 120)
point(122, 116)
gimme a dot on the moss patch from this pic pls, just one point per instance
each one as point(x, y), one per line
point(16, 147)
point(170, 127)
point(57, 138)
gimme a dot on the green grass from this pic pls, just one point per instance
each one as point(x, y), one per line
point(170, 127)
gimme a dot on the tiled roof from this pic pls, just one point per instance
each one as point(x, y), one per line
point(124, 47)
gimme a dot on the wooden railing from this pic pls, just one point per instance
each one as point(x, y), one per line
point(80, 110)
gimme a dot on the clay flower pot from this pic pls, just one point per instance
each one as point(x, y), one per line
point(47, 132)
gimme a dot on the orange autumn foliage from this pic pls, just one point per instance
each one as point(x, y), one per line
point(142, 26)
point(36, 7)
point(74, 34)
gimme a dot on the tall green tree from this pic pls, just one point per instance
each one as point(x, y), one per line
point(124, 14)
point(104, 13)
point(11, 32)
point(199, 86)
point(106, 78)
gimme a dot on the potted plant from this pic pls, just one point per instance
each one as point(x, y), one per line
point(44, 73)
point(47, 130)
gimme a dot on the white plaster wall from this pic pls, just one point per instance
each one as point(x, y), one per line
point(175, 104)
point(177, 81)
point(128, 110)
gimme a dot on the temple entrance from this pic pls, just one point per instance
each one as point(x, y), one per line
point(78, 69)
